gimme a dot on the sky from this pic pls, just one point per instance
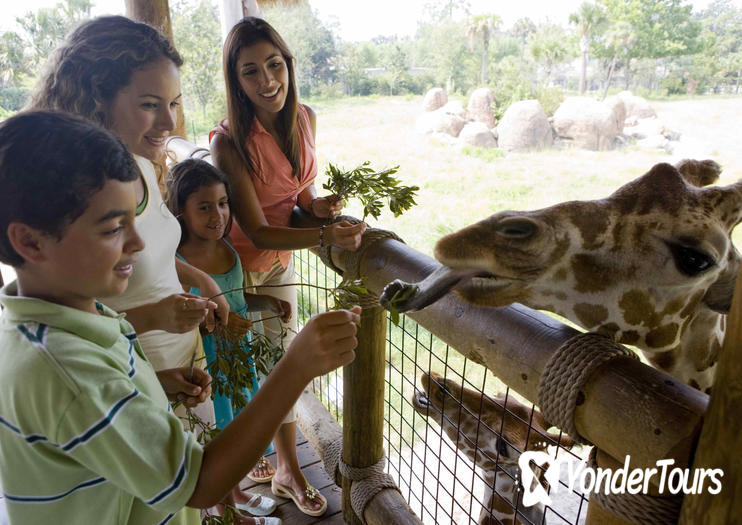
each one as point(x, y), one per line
point(363, 19)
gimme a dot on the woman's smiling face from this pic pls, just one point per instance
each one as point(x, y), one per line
point(264, 77)
point(143, 113)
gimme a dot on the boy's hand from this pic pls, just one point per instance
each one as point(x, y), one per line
point(326, 342)
point(182, 312)
point(177, 386)
point(280, 307)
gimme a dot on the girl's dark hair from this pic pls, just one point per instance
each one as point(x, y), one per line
point(51, 164)
point(187, 177)
point(97, 60)
point(240, 110)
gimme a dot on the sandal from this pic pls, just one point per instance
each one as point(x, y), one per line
point(311, 493)
point(263, 508)
point(261, 464)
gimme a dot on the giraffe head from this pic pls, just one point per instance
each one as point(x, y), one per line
point(492, 433)
point(652, 265)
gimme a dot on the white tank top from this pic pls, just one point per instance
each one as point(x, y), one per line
point(154, 276)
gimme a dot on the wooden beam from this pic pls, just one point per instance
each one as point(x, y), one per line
point(721, 435)
point(363, 401)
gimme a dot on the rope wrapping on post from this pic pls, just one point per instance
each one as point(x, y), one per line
point(567, 371)
point(367, 481)
point(641, 509)
point(353, 259)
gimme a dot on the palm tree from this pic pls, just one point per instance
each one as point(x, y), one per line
point(589, 18)
point(548, 45)
point(618, 39)
point(522, 29)
point(484, 26)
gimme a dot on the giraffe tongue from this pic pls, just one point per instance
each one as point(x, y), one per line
point(408, 297)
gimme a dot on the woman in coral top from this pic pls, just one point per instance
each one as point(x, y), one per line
point(266, 148)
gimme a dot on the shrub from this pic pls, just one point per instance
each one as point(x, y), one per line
point(550, 99)
point(13, 98)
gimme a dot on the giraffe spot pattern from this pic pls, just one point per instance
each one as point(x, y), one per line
point(591, 221)
point(590, 315)
point(663, 336)
point(637, 307)
point(590, 274)
point(629, 337)
point(663, 360)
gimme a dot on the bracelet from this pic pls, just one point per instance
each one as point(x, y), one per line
point(322, 236)
point(311, 207)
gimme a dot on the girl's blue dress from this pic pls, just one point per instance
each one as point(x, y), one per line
point(236, 300)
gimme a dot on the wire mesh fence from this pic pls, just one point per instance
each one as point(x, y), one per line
point(453, 432)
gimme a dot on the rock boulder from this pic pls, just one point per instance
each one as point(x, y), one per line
point(524, 127)
point(480, 107)
point(585, 123)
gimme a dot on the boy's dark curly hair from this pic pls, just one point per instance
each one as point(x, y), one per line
point(51, 164)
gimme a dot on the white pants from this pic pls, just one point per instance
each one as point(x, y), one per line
point(272, 328)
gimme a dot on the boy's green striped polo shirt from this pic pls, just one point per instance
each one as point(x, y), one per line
point(86, 431)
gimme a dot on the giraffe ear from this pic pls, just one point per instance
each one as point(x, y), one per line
point(719, 295)
point(699, 172)
point(726, 201)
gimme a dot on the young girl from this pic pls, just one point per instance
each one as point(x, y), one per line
point(198, 195)
point(266, 148)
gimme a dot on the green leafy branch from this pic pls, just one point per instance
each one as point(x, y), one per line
point(371, 187)
point(232, 370)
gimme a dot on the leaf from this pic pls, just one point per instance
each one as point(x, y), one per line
point(394, 314)
point(371, 187)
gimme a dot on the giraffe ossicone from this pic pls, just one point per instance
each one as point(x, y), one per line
point(652, 265)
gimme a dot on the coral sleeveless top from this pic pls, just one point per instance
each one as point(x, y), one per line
point(276, 187)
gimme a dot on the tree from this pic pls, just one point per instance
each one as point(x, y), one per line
point(12, 63)
point(548, 45)
point(397, 64)
point(483, 26)
point(618, 40)
point(438, 11)
point(197, 36)
point(661, 28)
point(310, 41)
point(442, 48)
point(353, 60)
point(47, 27)
point(722, 23)
point(522, 29)
point(589, 19)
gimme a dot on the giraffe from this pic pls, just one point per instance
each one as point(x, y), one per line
point(473, 422)
point(652, 265)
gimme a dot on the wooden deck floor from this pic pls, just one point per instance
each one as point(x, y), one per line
point(314, 471)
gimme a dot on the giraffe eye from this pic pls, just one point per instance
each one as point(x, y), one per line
point(516, 228)
point(502, 447)
point(443, 391)
point(690, 261)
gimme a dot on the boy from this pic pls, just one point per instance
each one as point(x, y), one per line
point(86, 432)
